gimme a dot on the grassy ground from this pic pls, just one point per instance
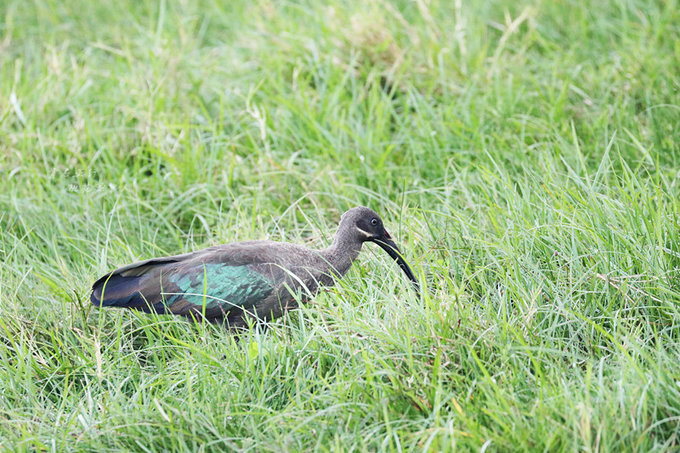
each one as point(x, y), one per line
point(525, 157)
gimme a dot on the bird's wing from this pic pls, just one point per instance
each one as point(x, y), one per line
point(208, 283)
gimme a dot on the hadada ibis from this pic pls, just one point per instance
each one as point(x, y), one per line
point(229, 283)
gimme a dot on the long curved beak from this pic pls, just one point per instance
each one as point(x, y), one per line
point(388, 245)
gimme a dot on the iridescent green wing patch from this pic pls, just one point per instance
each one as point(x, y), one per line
point(218, 286)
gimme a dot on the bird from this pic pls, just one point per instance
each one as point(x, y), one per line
point(241, 282)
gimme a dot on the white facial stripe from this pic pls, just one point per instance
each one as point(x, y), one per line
point(368, 235)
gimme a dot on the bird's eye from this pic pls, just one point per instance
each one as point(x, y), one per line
point(374, 222)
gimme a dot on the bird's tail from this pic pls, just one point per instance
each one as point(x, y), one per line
point(135, 286)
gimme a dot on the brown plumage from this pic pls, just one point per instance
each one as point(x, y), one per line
point(231, 282)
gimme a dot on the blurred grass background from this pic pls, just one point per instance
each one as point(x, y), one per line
point(524, 154)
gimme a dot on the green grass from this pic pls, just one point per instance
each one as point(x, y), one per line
point(525, 157)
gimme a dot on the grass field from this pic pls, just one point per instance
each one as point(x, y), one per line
point(525, 156)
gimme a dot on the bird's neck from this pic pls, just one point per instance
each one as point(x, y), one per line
point(341, 254)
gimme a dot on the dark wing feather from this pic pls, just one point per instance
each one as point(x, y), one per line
point(131, 286)
point(207, 283)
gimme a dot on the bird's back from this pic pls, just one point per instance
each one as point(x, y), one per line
point(220, 282)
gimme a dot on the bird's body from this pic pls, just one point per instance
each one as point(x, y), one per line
point(229, 283)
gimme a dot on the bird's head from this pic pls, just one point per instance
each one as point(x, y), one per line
point(363, 224)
